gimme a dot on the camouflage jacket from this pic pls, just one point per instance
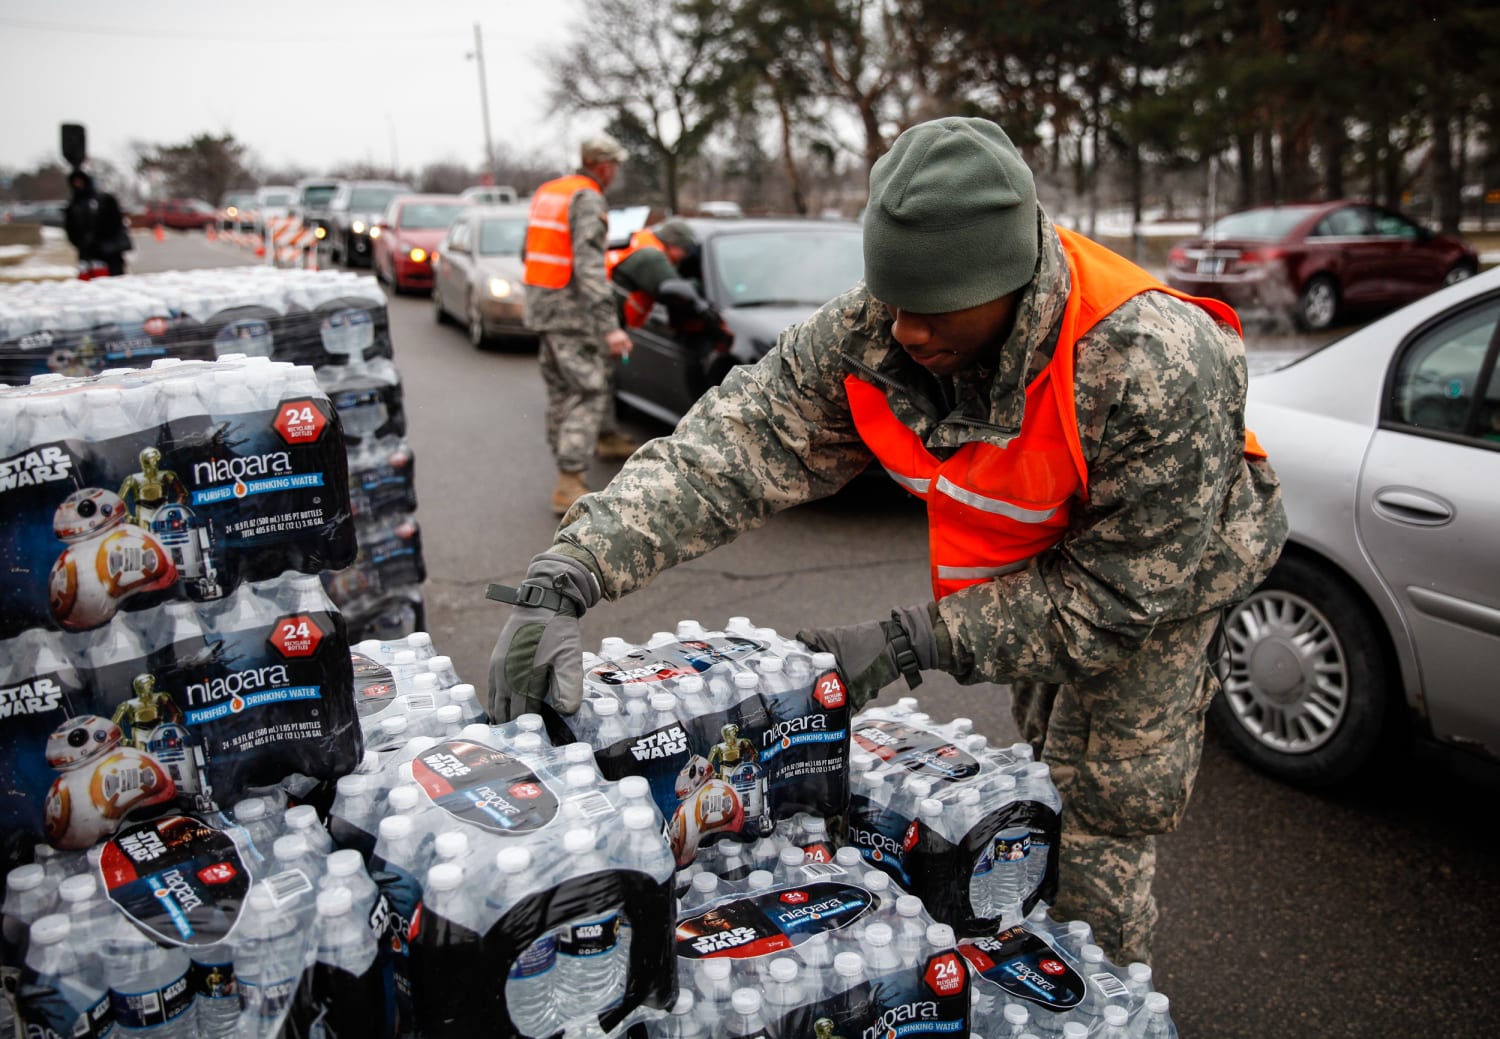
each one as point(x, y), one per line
point(586, 303)
point(1177, 522)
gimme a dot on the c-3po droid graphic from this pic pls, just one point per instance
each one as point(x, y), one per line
point(151, 721)
point(160, 505)
point(99, 782)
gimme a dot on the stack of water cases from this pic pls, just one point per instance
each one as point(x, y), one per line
point(496, 855)
point(735, 731)
point(404, 689)
point(814, 949)
point(333, 321)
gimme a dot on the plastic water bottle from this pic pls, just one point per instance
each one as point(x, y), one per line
point(1015, 1018)
point(1115, 1017)
point(682, 1022)
point(446, 947)
point(643, 848)
point(347, 987)
point(881, 957)
point(747, 1019)
point(1157, 1022)
point(303, 821)
point(259, 829)
point(910, 929)
point(28, 898)
point(703, 890)
point(692, 696)
point(784, 992)
point(215, 998)
point(589, 965)
point(346, 869)
point(150, 993)
point(1138, 979)
point(715, 990)
point(53, 954)
point(788, 870)
point(1038, 786)
point(849, 971)
point(89, 914)
point(528, 986)
point(611, 727)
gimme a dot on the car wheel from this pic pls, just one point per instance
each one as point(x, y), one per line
point(1459, 272)
point(1305, 692)
point(476, 327)
point(1318, 305)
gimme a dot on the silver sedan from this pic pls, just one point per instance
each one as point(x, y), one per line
point(1381, 622)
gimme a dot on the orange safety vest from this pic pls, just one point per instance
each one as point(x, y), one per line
point(639, 303)
point(549, 236)
point(989, 508)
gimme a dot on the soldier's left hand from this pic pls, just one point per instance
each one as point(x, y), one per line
point(874, 654)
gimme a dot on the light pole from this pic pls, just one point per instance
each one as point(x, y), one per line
point(484, 105)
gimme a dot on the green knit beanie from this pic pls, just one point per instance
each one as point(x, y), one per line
point(952, 218)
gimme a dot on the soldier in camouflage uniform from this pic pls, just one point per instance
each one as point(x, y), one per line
point(1104, 635)
point(580, 332)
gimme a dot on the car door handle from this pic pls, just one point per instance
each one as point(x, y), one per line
point(1417, 508)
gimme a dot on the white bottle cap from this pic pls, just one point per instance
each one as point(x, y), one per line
point(513, 860)
point(745, 1001)
point(578, 842)
point(79, 888)
point(961, 726)
point(663, 703)
point(301, 817)
point(930, 807)
point(792, 856)
point(426, 682)
point(369, 648)
point(1139, 972)
point(939, 936)
point(716, 970)
point(478, 731)
point(848, 964)
point(404, 798)
point(684, 1004)
point(1005, 783)
point(878, 934)
point(639, 817)
point(632, 788)
point(848, 856)
point(1156, 1002)
point(1016, 1014)
point(1091, 953)
point(404, 658)
point(759, 880)
point(450, 714)
point(261, 898)
point(824, 661)
point(528, 722)
point(784, 970)
point(745, 679)
point(345, 863)
point(876, 881)
point(580, 777)
point(441, 663)
point(583, 754)
point(394, 725)
point(1038, 770)
point(525, 742)
point(606, 708)
point(419, 640)
point(908, 905)
point(395, 827)
point(25, 878)
point(292, 846)
point(336, 901)
point(816, 826)
point(692, 684)
point(50, 929)
point(445, 876)
point(1115, 1015)
point(250, 810)
point(451, 844)
point(771, 664)
point(1075, 1030)
point(462, 691)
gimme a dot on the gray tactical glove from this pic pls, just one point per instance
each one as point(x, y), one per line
point(538, 656)
point(874, 654)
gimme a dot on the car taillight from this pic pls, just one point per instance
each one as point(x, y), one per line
point(1255, 257)
point(1177, 257)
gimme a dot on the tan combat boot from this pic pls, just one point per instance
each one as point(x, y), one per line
point(570, 487)
point(615, 447)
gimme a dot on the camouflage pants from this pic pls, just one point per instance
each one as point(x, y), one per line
point(1124, 748)
point(578, 374)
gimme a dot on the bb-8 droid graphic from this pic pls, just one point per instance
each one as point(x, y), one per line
point(106, 562)
point(100, 781)
point(707, 805)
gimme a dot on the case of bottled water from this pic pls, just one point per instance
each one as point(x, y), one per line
point(81, 328)
point(1049, 979)
point(733, 730)
point(972, 830)
point(499, 855)
point(826, 953)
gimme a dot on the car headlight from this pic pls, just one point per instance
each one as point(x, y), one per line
point(320, 232)
point(358, 227)
point(374, 232)
point(500, 288)
point(417, 255)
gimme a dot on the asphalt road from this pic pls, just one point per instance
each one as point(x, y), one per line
point(1369, 912)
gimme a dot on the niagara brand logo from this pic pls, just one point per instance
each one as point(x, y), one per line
point(886, 1023)
point(724, 940)
point(35, 697)
point(816, 911)
point(44, 465)
point(660, 744)
point(776, 733)
point(175, 884)
point(236, 684)
point(225, 470)
point(879, 842)
point(1024, 973)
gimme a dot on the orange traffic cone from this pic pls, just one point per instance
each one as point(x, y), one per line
point(213, 232)
point(161, 233)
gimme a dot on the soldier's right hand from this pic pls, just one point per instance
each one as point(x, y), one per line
point(538, 656)
point(618, 342)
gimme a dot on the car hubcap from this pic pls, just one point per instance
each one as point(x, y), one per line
point(1456, 275)
point(1287, 681)
point(1319, 306)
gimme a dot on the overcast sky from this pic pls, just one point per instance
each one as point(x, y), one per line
point(307, 82)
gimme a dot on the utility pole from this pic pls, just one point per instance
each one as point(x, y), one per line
point(484, 105)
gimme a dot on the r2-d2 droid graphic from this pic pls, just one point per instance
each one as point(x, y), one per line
point(151, 721)
point(735, 760)
point(106, 562)
point(99, 782)
point(189, 540)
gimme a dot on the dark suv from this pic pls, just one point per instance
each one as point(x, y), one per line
point(353, 209)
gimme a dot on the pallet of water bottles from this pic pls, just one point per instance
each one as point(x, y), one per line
point(733, 729)
point(80, 328)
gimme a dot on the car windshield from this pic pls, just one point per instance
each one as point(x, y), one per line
point(318, 196)
point(774, 268)
point(278, 198)
point(366, 199)
point(421, 215)
point(1270, 224)
point(502, 237)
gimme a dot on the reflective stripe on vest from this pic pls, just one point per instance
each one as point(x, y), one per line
point(639, 303)
point(549, 235)
point(991, 509)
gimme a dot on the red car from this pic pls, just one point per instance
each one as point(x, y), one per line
point(406, 235)
point(180, 214)
point(1318, 261)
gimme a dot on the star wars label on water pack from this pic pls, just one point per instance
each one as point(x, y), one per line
point(772, 921)
point(920, 752)
point(485, 787)
point(1026, 967)
point(179, 879)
